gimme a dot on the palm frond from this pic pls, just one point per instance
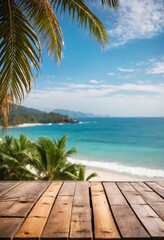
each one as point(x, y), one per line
point(85, 17)
point(46, 24)
point(109, 3)
point(10, 161)
point(94, 174)
point(19, 47)
point(81, 173)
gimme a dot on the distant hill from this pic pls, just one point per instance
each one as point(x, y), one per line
point(74, 114)
point(24, 110)
point(23, 114)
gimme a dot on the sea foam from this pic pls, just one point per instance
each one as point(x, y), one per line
point(115, 166)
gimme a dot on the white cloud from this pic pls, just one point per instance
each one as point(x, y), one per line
point(125, 70)
point(117, 104)
point(137, 19)
point(111, 74)
point(94, 81)
point(98, 90)
point(158, 68)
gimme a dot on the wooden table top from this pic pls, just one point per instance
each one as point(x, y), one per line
point(81, 210)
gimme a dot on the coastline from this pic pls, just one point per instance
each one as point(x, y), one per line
point(29, 125)
point(107, 175)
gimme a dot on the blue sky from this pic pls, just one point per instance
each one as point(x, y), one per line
point(124, 79)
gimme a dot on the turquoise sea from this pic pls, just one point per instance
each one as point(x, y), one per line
point(128, 145)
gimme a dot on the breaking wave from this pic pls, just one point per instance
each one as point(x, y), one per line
point(118, 167)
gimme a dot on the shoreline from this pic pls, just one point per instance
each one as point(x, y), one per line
point(29, 125)
point(107, 175)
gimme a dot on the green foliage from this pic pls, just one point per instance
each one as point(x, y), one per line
point(47, 158)
point(22, 115)
point(23, 23)
point(14, 158)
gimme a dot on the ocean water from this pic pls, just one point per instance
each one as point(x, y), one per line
point(127, 145)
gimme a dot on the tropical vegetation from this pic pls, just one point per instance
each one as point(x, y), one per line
point(26, 23)
point(22, 115)
point(46, 159)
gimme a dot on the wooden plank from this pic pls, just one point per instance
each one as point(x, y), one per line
point(68, 189)
point(4, 206)
point(150, 220)
point(156, 187)
point(25, 190)
point(81, 227)
point(153, 199)
point(141, 186)
point(36, 220)
point(58, 224)
point(23, 197)
point(6, 186)
point(81, 197)
point(161, 183)
point(114, 195)
point(9, 227)
point(104, 225)
point(134, 198)
point(128, 224)
point(125, 186)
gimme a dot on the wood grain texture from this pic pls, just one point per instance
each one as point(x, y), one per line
point(141, 186)
point(150, 220)
point(128, 224)
point(152, 199)
point(6, 186)
point(104, 225)
point(68, 189)
point(34, 224)
point(161, 183)
point(157, 188)
point(81, 226)
point(64, 210)
point(9, 227)
point(114, 195)
point(125, 186)
point(23, 197)
point(58, 224)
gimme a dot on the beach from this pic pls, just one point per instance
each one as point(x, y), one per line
point(114, 176)
point(116, 148)
point(29, 125)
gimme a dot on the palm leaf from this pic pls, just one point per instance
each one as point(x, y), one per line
point(94, 174)
point(19, 47)
point(46, 24)
point(81, 173)
point(10, 161)
point(109, 3)
point(85, 17)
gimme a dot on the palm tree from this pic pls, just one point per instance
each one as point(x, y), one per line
point(14, 158)
point(22, 24)
point(51, 162)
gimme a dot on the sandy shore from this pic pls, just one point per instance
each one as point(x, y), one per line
point(30, 125)
point(114, 176)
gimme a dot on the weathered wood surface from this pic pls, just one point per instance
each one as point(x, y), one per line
point(81, 210)
point(36, 220)
point(104, 224)
point(129, 225)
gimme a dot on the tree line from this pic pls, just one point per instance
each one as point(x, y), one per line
point(45, 159)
